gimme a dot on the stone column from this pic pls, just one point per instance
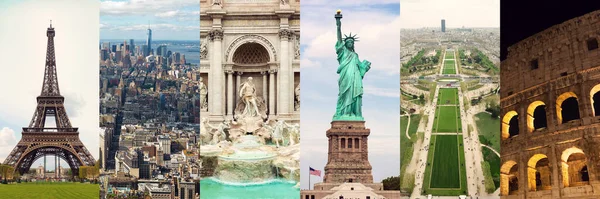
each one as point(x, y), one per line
point(272, 92)
point(264, 88)
point(216, 74)
point(229, 93)
point(283, 107)
point(555, 165)
point(238, 79)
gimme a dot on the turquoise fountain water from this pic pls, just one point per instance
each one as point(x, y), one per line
point(247, 170)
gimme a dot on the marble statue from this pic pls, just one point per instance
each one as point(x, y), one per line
point(204, 48)
point(210, 134)
point(284, 2)
point(294, 134)
point(297, 98)
point(297, 47)
point(277, 131)
point(220, 134)
point(351, 71)
point(205, 132)
point(203, 95)
point(249, 105)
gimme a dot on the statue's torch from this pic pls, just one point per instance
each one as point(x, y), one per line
point(338, 14)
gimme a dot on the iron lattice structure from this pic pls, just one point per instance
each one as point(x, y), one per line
point(37, 140)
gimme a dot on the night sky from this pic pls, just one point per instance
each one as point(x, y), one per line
point(521, 19)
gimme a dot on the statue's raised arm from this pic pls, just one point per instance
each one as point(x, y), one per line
point(338, 23)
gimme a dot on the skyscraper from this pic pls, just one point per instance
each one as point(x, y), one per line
point(131, 47)
point(443, 25)
point(149, 42)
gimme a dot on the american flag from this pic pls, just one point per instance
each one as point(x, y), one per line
point(315, 172)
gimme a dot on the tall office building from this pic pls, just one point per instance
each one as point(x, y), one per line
point(149, 42)
point(443, 25)
point(131, 47)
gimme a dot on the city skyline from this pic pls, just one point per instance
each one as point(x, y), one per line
point(169, 20)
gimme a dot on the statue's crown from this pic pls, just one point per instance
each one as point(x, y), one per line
point(353, 37)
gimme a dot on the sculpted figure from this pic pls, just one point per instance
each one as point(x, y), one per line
point(277, 131)
point(249, 105)
point(294, 132)
point(351, 71)
point(205, 132)
point(220, 135)
point(203, 95)
point(297, 98)
point(204, 48)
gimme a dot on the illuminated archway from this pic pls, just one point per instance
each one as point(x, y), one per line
point(574, 167)
point(539, 173)
point(567, 107)
point(509, 178)
point(595, 96)
point(510, 124)
point(536, 116)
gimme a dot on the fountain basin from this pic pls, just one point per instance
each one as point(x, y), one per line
point(215, 189)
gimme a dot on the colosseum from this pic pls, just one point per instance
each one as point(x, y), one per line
point(550, 101)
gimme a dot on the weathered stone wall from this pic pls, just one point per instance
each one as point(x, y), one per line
point(566, 68)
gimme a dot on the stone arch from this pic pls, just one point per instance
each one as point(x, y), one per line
point(509, 126)
point(246, 39)
point(539, 173)
point(567, 107)
point(509, 178)
point(536, 116)
point(65, 152)
point(595, 99)
point(251, 53)
point(573, 162)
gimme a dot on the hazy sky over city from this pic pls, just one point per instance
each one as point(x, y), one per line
point(23, 33)
point(457, 13)
point(378, 27)
point(168, 19)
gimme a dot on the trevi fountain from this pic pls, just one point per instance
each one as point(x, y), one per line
point(250, 152)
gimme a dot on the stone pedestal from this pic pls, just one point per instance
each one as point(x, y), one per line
point(348, 158)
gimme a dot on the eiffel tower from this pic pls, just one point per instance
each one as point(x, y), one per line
point(37, 141)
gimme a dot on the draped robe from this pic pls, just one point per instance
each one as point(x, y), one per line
point(351, 71)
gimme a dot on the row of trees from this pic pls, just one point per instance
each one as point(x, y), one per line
point(89, 172)
point(7, 173)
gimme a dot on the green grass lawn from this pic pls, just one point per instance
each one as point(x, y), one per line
point(449, 55)
point(445, 174)
point(406, 145)
point(488, 129)
point(448, 96)
point(449, 67)
point(494, 161)
point(447, 120)
point(49, 190)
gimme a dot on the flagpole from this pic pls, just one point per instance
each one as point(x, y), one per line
point(309, 179)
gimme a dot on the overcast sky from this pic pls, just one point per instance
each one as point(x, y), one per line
point(457, 13)
point(23, 35)
point(377, 24)
point(168, 19)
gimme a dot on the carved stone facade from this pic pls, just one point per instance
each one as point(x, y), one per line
point(550, 122)
point(250, 38)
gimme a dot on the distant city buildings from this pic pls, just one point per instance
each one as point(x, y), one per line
point(443, 25)
point(150, 115)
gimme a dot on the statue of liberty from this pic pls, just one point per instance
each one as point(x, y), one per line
point(352, 71)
